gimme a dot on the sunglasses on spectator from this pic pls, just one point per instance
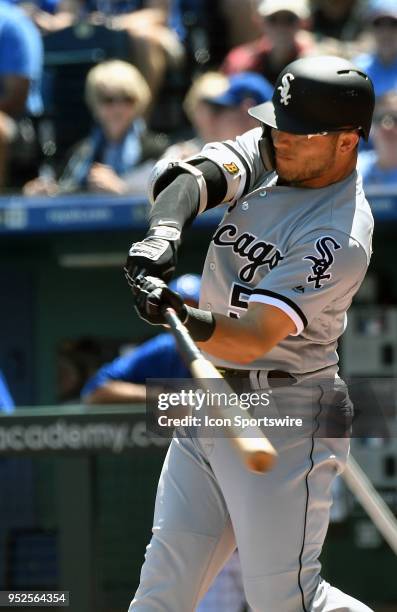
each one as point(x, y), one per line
point(386, 120)
point(116, 99)
point(282, 19)
point(385, 22)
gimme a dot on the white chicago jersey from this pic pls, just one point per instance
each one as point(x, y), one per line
point(305, 251)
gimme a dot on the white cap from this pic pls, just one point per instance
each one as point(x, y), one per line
point(300, 8)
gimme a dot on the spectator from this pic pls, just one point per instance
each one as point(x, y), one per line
point(244, 90)
point(341, 19)
point(117, 156)
point(199, 113)
point(21, 63)
point(284, 40)
point(217, 106)
point(379, 166)
point(381, 63)
point(6, 401)
point(242, 20)
point(154, 45)
point(123, 380)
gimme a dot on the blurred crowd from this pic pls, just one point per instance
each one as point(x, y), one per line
point(92, 92)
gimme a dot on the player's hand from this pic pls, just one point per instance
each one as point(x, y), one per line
point(155, 255)
point(151, 296)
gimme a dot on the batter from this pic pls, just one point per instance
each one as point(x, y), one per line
point(281, 271)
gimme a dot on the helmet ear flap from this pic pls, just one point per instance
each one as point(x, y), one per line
point(266, 149)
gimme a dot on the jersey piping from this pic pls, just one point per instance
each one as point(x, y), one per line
point(264, 296)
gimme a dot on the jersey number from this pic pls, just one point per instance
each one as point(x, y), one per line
point(239, 299)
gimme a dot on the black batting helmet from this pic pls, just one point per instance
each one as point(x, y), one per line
point(319, 94)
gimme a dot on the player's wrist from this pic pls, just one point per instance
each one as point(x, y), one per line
point(171, 232)
point(200, 323)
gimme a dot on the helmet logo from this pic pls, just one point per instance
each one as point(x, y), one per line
point(285, 96)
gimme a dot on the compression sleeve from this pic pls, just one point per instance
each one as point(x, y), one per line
point(177, 205)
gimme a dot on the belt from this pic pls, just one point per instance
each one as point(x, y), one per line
point(275, 378)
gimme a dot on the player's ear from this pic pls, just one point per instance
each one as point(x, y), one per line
point(348, 141)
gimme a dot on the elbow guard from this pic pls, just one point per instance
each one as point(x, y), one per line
point(234, 168)
point(165, 171)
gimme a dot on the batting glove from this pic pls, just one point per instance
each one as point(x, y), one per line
point(151, 296)
point(155, 255)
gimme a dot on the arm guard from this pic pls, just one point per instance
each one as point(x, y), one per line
point(165, 171)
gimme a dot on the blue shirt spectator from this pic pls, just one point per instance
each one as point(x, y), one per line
point(384, 77)
point(158, 357)
point(372, 173)
point(21, 54)
point(381, 64)
point(379, 166)
point(6, 401)
point(122, 156)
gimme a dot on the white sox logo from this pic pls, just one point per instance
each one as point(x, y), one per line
point(322, 264)
point(247, 246)
point(285, 96)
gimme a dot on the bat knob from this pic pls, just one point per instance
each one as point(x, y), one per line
point(260, 462)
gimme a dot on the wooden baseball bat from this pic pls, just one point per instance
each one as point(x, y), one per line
point(254, 449)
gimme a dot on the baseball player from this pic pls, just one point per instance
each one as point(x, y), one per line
point(281, 270)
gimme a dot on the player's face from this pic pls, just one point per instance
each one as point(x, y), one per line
point(306, 162)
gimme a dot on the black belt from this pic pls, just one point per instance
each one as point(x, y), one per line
point(275, 378)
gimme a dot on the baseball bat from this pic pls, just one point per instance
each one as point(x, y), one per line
point(254, 449)
point(371, 501)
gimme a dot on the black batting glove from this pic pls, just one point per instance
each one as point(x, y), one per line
point(155, 255)
point(152, 296)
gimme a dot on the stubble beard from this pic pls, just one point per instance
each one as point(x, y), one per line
point(298, 177)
